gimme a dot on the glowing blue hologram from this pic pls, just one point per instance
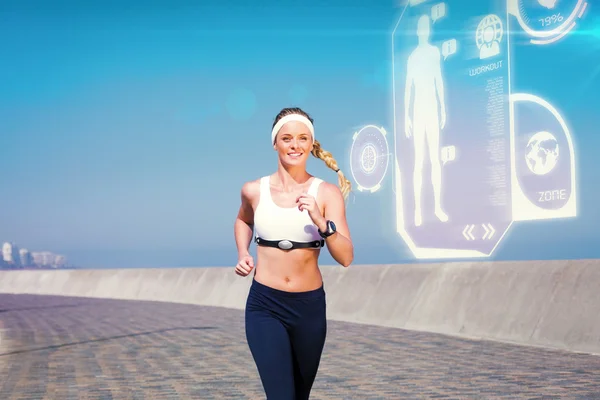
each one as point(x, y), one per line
point(452, 131)
point(241, 104)
point(543, 158)
point(488, 36)
point(547, 21)
point(438, 11)
point(449, 47)
point(542, 153)
point(424, 73)
point(448, 154)
point(369, 158)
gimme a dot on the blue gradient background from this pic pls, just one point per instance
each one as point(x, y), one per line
point(128, 127)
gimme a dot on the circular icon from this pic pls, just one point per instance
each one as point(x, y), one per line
point(488, 30)
point(545, 164)
point(542, 153)
point(488, 35)
point(548, 20)
point(369, 157)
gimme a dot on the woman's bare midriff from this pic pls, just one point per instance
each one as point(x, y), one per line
point(293, 271)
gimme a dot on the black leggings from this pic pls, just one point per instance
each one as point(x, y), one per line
point(286, 335)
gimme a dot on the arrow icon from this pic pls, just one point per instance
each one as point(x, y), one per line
point(468, 232)
point(489, 231)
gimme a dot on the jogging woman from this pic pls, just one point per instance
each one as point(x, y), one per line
point(294, 215)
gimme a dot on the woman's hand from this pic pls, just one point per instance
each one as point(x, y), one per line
point(309, 203)
point(245, 265)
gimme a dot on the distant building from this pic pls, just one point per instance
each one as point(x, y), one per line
point(10, 254)
point(12, 257)
point(7, 252)
point(26, 258)
point(60, 261)
point(47, 259)
point(43, 258)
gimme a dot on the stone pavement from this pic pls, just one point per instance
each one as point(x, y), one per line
point(75, 348)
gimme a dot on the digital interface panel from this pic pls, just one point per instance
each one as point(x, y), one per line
point(470, 156)
point(451, 82)
point(543, 171)
point(547, 21)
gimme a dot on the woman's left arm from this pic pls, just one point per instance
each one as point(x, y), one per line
point(340, 243)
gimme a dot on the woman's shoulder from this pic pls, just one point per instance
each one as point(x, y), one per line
point(327, 189)
point(251, 189)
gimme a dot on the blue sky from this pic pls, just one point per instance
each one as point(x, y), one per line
point(129, 127)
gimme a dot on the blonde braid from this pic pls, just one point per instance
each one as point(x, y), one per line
point(327, 157)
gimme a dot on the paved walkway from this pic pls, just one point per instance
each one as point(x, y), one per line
point(70, 348)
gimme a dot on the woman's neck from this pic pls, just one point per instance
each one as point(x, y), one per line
point(292, 177)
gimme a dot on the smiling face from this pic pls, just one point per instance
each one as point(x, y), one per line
point(293, 143)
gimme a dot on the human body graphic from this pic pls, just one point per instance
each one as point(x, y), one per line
point(428, 115)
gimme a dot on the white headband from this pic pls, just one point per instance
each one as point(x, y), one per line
point(292, 117)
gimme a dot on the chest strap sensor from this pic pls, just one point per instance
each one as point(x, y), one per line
point(289, 245)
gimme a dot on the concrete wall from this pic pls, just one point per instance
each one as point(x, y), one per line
point(545, 303)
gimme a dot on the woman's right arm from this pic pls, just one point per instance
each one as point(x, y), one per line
point(244, 223)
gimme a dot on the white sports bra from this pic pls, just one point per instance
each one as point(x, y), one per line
point(275, 223)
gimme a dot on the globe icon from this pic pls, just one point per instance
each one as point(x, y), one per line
point(542, 153)
point(489, 30)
